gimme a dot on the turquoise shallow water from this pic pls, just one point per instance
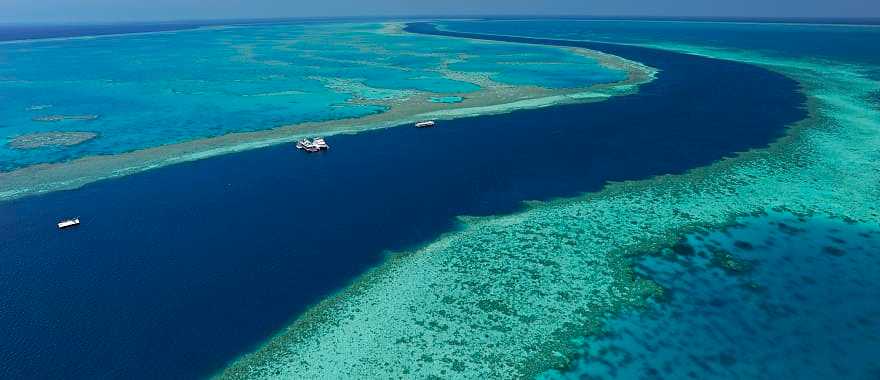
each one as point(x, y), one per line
point(446, 99)
point(140, 91)
point(775, 297)
point(147, 282)
point(768, 320)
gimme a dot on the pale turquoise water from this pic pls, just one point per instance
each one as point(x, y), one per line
point(799, 303)
point(803, 302)
point(446, 99)
point(587, 224)
point(161, 88)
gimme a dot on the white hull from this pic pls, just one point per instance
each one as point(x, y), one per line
point(311, 146)
point(68, 223)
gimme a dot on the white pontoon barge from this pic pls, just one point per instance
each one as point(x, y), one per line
point(68, 223)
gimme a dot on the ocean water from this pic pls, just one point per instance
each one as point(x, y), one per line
point(17, 32)
point(774, 297)
point(842, 42)
point(177, 271)
point(138, 91)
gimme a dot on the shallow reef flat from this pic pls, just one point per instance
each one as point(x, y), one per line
point(227, 89)
point(47, 139)
point(506, 296)
point(741, 297)
point(56, 118)
point(486, 300)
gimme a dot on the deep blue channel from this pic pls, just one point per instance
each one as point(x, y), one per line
point(178, 270)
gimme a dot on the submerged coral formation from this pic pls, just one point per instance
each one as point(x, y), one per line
point(803, 293)
point(55, 118)
point(270, 84)
point(44, 139)
point(503, 296)
point(498, 298)
point(446, 99)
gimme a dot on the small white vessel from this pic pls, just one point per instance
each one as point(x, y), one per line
point(320, 143)
point(311, 146)
point(425, 124)
point(68, 223)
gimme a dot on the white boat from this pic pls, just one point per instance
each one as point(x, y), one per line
point(320, 143)
point(425, 124)
point(68, 223)
point(316, 145)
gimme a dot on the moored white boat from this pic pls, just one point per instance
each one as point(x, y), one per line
point(316, 145)
point(320, 143)
point(68, 223)
point(425, 124)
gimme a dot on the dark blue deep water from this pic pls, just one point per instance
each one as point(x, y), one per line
point(840, 42)
point(14, 32)
point(176, 271)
